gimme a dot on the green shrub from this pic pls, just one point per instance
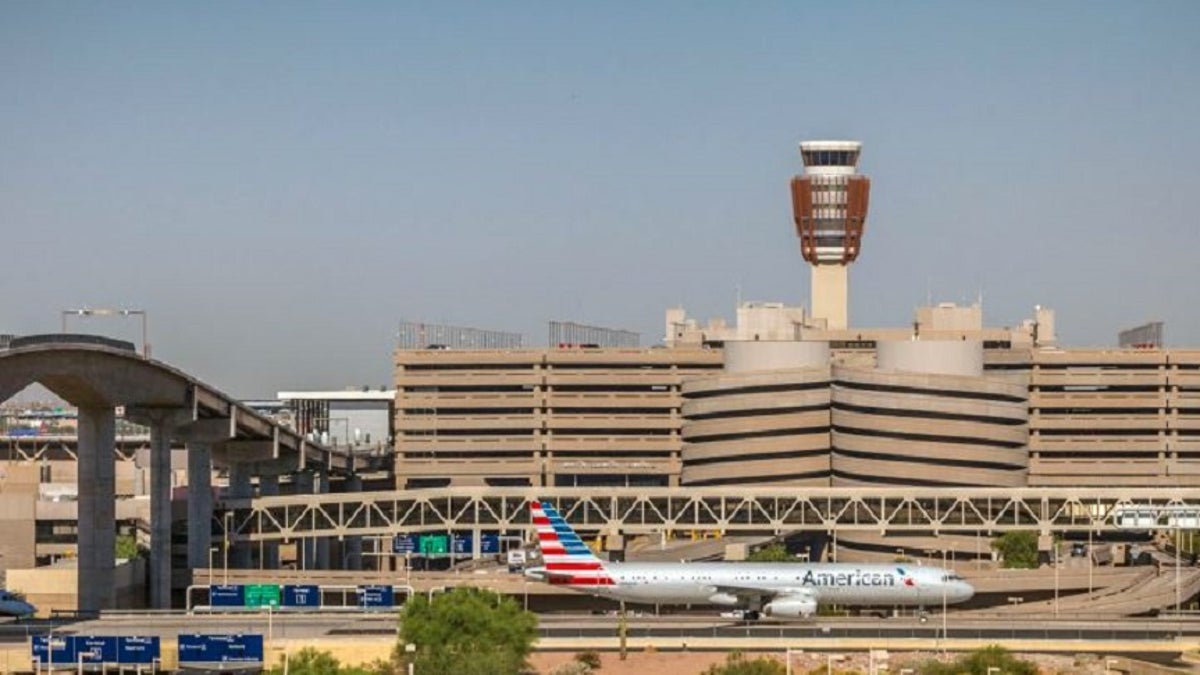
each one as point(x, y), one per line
point(737, 664)
point(591, 659)
point(1018, 549)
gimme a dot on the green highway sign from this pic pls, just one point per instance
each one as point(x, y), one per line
point(262, 595)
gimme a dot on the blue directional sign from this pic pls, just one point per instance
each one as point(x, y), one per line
point(227, 596)
point(220, 649)
point(376, 597)
point(96, 649)
point(54, 649)
point(489, 544)
point(138, 650)
point(308, 597)
point(404, 543)
point(461, 544)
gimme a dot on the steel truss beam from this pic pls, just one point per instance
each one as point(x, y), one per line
point(63, 448)
point(702, 510)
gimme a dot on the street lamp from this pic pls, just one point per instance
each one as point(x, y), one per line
point(227, 520)
point(945, 582)
point(788, 656)
point(211, 551)
point(90, 654)
point(140, 313)
point(1054, 544)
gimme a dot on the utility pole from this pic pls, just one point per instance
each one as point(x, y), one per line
point(623, 630)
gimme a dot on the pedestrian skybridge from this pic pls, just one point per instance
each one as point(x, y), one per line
point(706, 510)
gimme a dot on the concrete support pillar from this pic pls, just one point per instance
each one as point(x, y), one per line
point(268, 486)
point(353, 545)
point(239, 488)
point(321, 486)
point(160, 517)
point(97, 509)
point(200, 504)
point(306, 548)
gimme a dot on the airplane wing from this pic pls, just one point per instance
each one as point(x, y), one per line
point(784, 602)
point(749, 592)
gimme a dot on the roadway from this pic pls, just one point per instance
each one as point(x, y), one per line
point(381, 625)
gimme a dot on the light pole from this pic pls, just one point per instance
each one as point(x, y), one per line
point(1091, 561)
point(410, 649)
point(788, 656)
point(140, 313)
point(1055, 545)
point(945, 583)
point(211, 551)
point(228, 518)
point(90, 654)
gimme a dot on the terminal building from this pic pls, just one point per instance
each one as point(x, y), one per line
point(781, 396)
point(795, 396)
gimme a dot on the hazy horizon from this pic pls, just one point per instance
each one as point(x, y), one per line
point(278, 185)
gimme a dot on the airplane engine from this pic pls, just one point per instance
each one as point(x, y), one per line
point(792, 608)
point(723, 599)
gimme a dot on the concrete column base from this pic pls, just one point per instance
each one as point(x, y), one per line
point(160, 517)
point(268, 486)
point(97, 488)
point(239, 488)
point(200, 505)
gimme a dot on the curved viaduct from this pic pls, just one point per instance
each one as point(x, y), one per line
point(97, 375)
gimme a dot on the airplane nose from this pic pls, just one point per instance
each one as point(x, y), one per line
point(965, 592)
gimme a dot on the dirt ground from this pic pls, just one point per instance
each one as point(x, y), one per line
point(693, 663)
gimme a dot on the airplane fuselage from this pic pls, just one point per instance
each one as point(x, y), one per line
point(828, 583)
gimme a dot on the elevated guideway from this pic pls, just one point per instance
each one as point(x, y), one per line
point(709, 510)
point(98, 375)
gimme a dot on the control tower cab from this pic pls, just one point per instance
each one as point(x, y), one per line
point(829, 204)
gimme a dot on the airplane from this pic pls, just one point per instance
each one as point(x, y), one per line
point(782, 590)
point(12, 605)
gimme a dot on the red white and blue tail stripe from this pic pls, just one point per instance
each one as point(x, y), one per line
point(568, 560)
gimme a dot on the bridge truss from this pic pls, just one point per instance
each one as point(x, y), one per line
point(770, 511)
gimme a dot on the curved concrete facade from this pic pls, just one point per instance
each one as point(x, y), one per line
point(764, 427)
point(945, 357)
point(892, 428)
point(747, 356)
point(929, 418)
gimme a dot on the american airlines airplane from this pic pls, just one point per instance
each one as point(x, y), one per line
point(789, 590)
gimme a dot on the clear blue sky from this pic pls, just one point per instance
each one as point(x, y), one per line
point(279, 183)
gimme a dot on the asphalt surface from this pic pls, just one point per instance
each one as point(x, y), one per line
point(286, 625)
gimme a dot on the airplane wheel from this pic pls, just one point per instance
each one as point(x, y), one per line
point(751, 615)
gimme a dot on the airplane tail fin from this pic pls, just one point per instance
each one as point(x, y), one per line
point(567, 559)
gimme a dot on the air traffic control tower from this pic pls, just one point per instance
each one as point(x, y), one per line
point(829, 202)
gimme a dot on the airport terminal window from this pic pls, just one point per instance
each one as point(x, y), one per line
point(418, 483)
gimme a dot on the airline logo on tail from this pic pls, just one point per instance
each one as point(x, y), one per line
point(567, 559)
